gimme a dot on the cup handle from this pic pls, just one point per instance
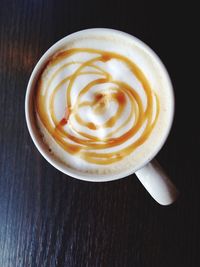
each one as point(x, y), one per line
point(157, 183)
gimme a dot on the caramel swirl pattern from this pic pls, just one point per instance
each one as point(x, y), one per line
point(74, 140)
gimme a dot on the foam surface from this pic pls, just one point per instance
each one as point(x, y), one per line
point(120, 72)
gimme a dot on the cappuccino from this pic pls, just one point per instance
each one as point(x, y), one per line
point(101, 104)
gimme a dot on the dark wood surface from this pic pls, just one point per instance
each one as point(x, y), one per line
point(48, 219)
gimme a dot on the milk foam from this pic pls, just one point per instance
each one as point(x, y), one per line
point(119, 71)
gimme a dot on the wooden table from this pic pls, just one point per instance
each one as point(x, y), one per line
point(49, 219)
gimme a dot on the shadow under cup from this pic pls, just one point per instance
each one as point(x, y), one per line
point(153, 69)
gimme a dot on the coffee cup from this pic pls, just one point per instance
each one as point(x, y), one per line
point(121, 49)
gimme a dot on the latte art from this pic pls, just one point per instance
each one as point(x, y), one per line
point(98, 106)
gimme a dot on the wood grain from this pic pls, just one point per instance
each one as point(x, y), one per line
point(48, 219)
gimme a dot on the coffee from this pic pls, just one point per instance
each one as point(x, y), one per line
point(100, 104)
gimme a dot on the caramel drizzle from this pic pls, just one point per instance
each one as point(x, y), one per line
point(83, 144)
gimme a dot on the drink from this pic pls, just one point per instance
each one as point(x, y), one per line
point(99, 106)
point(102, 104)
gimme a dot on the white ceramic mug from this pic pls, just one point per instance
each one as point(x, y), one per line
point(148, 171)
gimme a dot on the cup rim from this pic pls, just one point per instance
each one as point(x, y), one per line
point(56, 162)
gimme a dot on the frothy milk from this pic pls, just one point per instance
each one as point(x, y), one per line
point(101, 103)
